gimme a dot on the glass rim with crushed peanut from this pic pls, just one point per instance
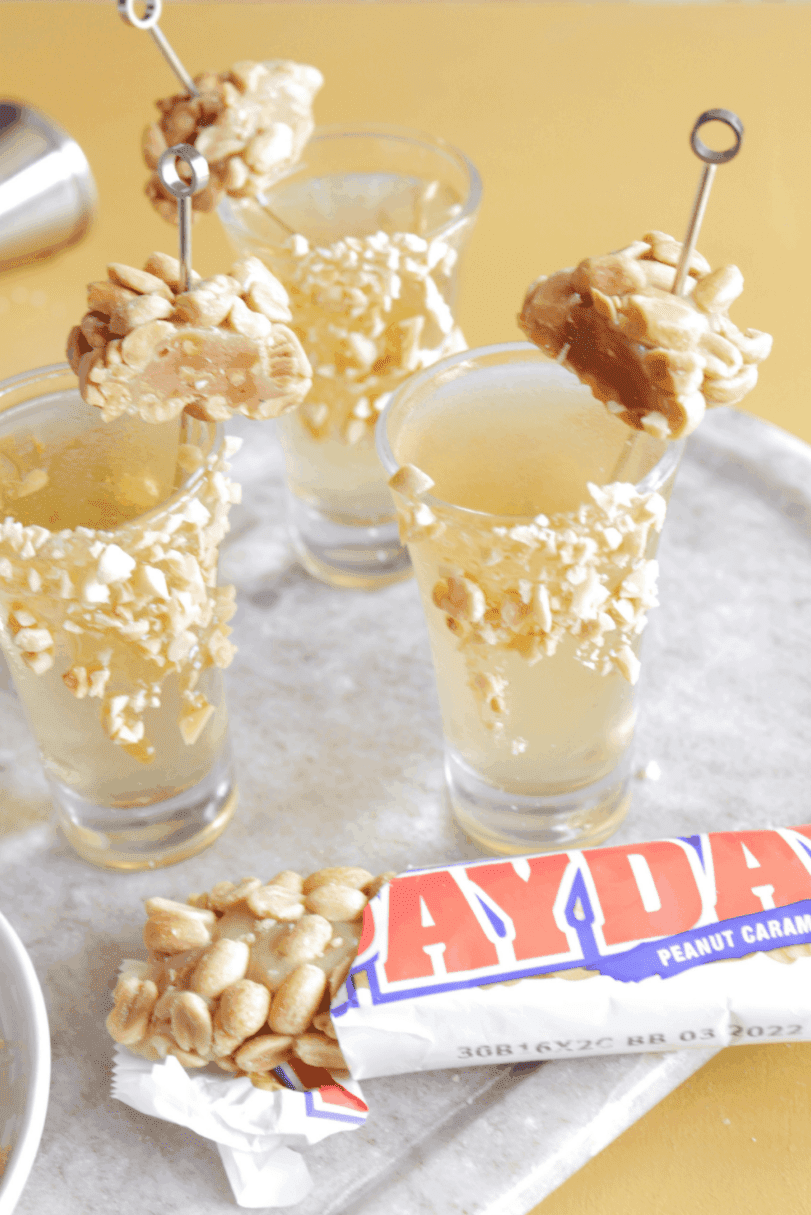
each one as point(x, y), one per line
point(158, 359)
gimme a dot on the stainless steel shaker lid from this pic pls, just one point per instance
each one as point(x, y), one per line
point(47, 192)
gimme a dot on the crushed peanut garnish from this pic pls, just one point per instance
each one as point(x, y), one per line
point(523, 588)
point(125, 609)
point(369, 311)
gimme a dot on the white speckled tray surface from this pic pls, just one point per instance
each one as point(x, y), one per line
point(337, 737)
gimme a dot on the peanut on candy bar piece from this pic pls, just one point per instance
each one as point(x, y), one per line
point(242, 975)
point(220, 348)
point(659, 359)
point(251, 123)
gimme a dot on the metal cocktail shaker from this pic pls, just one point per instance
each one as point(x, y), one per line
point(47, 192)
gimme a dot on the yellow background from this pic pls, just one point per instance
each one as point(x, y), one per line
point(578, 118)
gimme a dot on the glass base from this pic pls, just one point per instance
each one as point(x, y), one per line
point(357, 556)
point(149, 837)
point(514, 823)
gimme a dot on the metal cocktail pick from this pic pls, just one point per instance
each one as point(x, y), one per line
point(711, 161)
point(149, 21)
point(183, 190)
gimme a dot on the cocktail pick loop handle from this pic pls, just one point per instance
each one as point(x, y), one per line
point(183, 191)
point(711, 161)
point(149, 21)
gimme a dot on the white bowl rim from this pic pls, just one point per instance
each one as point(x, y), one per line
point(36, 1102)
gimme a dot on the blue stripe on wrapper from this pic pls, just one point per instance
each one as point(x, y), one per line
point(754, 933)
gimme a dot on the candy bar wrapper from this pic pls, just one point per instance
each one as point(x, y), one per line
point(255, 1130)
point(698, 941)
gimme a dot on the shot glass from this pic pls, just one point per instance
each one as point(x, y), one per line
point(532, 525)
point(111, 621)
point(368, 313)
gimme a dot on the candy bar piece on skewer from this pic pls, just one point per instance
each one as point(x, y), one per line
point(647, 328)
point(656, 359)
point(222, 347)
point(250, 122)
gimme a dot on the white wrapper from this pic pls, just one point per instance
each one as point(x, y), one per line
point(716, 1005)
point(255, 1130)
point(697, 942)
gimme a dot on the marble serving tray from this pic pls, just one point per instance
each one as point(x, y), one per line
point(337, 736)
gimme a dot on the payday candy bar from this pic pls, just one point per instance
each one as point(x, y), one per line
point(473, 963)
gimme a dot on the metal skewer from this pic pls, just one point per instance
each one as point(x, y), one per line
point(183, 191)
point(149, 21)
point(711, 161)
